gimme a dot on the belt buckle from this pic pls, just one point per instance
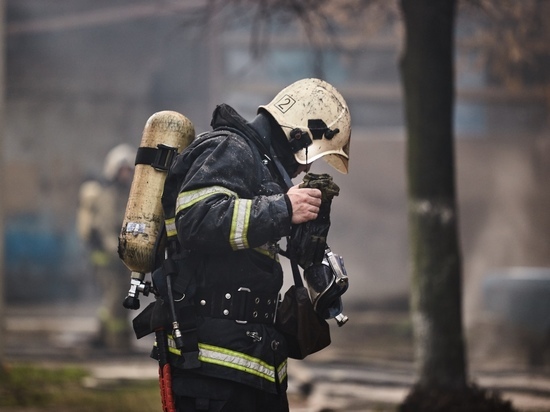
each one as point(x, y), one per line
point(247, 290)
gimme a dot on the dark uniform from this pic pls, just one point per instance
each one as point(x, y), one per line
point(229, 214)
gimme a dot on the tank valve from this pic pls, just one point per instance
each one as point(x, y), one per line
point(137, 286)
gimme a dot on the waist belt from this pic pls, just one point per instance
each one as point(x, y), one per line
point(241, 305)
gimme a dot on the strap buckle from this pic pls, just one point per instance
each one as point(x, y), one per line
point(242, 289)
point(164, 157)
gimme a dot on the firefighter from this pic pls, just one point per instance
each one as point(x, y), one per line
point(228, 200)
point(101, 211)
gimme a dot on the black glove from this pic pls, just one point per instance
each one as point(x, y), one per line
point(308, 240)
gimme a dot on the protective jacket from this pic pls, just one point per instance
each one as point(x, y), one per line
point(225, 202)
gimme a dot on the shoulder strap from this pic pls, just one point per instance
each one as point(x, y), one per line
point(296, 273)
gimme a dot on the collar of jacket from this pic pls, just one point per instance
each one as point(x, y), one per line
point(225, 116)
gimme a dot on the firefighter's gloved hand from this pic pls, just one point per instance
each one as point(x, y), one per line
point(328, 189)
point(308, 241)
point(324, 183)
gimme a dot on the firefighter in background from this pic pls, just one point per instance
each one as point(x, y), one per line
point(228, 200)
point(101, 210)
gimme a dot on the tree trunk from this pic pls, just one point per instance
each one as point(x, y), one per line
point(2, 187)
point(436, 291)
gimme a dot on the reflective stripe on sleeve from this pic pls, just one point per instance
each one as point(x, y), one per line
point(239, 225)
point(188, 199)
point(241, 212)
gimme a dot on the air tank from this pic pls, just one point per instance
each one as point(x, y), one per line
point(165, 134)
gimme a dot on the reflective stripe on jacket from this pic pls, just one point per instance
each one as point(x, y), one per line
point(241, 212)
point(236, 360)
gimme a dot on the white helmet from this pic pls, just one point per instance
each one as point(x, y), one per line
point(316, 121)
point(118, 157)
